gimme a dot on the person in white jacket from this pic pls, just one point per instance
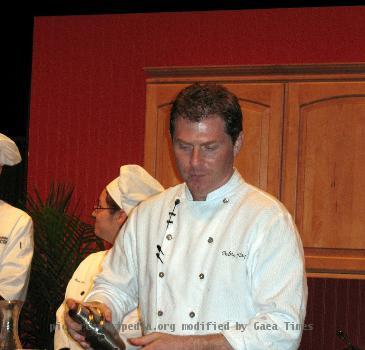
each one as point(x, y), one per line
point(213, 263)
point(114, 205)
point(16, 236)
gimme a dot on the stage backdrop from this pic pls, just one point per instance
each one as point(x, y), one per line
point(88, 99)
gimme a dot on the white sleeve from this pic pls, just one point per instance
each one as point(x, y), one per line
point(116, 285)
point(278, 288)
point(81, 280)
point(16, 260)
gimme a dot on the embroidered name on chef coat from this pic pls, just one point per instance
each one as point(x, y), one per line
point(78, 281)
point(234, 254)
point(3, 240)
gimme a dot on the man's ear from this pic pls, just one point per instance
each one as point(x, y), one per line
point(238, 144)
point(121, 217)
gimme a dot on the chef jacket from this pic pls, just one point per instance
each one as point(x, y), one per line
point(16, 251)
point(232, 264)
point(77, 288)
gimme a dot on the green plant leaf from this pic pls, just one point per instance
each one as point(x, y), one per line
point(62, 240)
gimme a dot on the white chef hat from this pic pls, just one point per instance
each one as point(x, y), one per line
point(9, 152)
point(133, 186)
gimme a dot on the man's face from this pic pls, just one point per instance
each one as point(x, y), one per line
point(204, 154)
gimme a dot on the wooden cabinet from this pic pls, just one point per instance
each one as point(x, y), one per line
point(304, 142)
point(324, 172)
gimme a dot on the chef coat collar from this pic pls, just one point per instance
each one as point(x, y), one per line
point(224, 190)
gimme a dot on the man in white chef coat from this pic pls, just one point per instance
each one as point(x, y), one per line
point(16, 236)
point(214, 263)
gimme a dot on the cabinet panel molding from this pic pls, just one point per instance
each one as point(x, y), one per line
point(323, 178)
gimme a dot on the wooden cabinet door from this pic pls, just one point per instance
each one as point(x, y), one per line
point(324, 172)
point(259, 160)
point(158, 155)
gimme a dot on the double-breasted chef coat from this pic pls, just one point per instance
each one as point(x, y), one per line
point(16, 251)
point(232, 264)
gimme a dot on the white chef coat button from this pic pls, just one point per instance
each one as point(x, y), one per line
point(210, 240)
point(169, 237)
point(192, 314)
point(82, 293)
point(160, 313)
point(201, 276)
point(225, 200)
point(161, 274)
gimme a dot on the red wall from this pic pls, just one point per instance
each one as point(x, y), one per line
point(88, 87)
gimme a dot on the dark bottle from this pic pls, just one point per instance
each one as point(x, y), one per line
point(100, 334)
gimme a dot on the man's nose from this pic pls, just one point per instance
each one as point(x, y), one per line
point(195, 158)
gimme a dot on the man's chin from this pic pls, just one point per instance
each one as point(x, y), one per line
point(197, 191)
point(196, 180)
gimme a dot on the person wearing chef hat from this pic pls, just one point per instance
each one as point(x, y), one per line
point(16, 236)
point(114, 205)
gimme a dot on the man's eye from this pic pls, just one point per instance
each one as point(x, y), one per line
point(184, 147)
point(211, 147)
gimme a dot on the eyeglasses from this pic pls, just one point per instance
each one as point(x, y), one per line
point(96, 207)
